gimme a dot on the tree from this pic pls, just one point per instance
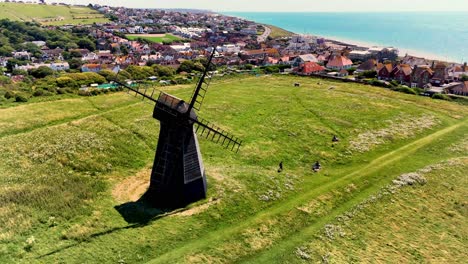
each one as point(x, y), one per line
point(86, 44)
point(124, 49)
point(108, 74)
point(66, 82)
point(6, 50)
point(140, 73)
point(75, 63)
point(464, 78)
point(41, 72)
point(186, 66)
point(163, 71)
point(75, 54)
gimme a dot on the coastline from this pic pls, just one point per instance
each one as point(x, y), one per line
point(402, 51)
point(428, 55)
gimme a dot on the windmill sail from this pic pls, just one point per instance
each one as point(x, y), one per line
point(202, 86)
point(217, 135)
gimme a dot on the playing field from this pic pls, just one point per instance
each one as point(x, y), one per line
point(393, 189)
point(156, 38)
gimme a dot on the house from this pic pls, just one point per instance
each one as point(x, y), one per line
point(21, 55)
point(60, 66)
point(259, 54)
point(339, 62)
point(52, 54)
point(385, 72)
point(309, 68)
point(459, 88)
point(456, 72)
point(369, 65)
point(361, 55)
point(402, 73)
point(90, 57)
point(414, 61)
point(421, 76)
point(440, 74)
point(303, 59)
point(91, 68)
point(383, 54)
point(343, 73)
point(39, 43)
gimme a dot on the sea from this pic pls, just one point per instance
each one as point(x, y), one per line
point(435, 35)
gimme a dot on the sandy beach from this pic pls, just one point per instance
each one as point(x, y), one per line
point(402, 51)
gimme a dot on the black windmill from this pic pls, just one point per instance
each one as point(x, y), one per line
point(178, 175)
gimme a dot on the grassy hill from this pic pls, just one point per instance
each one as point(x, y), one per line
point(70, 171)
point(50, 14)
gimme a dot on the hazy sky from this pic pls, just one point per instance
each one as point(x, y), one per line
point(290, 5)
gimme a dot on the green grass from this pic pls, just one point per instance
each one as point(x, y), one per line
point(155, 39)
point(50, 15)
point(277, 32)
point(63, 172)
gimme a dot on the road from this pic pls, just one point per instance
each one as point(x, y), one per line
point(265, 35)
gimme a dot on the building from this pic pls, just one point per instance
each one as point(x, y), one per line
point(369, 65)
point(402, 73)
point(385, 73)
point(303, 59)
point(309, 68)
point(458, 89)
point(421, 76)
point(339, 62)
point(91, 68)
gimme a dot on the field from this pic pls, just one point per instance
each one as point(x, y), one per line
point(393, 189)
point(50, 15)
point(277, 32)
point(157, 38)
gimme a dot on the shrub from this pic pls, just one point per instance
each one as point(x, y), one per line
point(21, 98)
point(66, 82)
point(41, 72)
point(38, 92)
point(61, 91)
point(406, 90)
point(84, 93)
point(9, 95)
point(441, 97)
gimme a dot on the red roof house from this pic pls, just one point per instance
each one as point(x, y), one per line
point(308, 68)
point(339, 62)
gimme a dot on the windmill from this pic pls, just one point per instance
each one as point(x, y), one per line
point(178, 175)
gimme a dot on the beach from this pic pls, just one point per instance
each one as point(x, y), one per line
point(413, 33)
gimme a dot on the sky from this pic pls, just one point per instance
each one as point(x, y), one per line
point(290, 5)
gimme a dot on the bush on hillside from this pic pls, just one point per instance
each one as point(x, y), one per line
point(38, 92)
point(441, 97)
point(66, 82)
point(406, 90)
point(9, 95)
point(41, 72)
point(21, 98)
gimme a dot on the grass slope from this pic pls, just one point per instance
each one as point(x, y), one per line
point(67, 177)
point(277, 32)
point(50, 15)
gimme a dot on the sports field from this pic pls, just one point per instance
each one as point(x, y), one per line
point(156, 38)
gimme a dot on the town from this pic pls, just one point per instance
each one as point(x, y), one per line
point(176, 41)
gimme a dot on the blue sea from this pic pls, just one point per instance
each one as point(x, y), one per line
point(435, 35)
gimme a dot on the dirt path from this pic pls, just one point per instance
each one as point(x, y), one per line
point(374, 166)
